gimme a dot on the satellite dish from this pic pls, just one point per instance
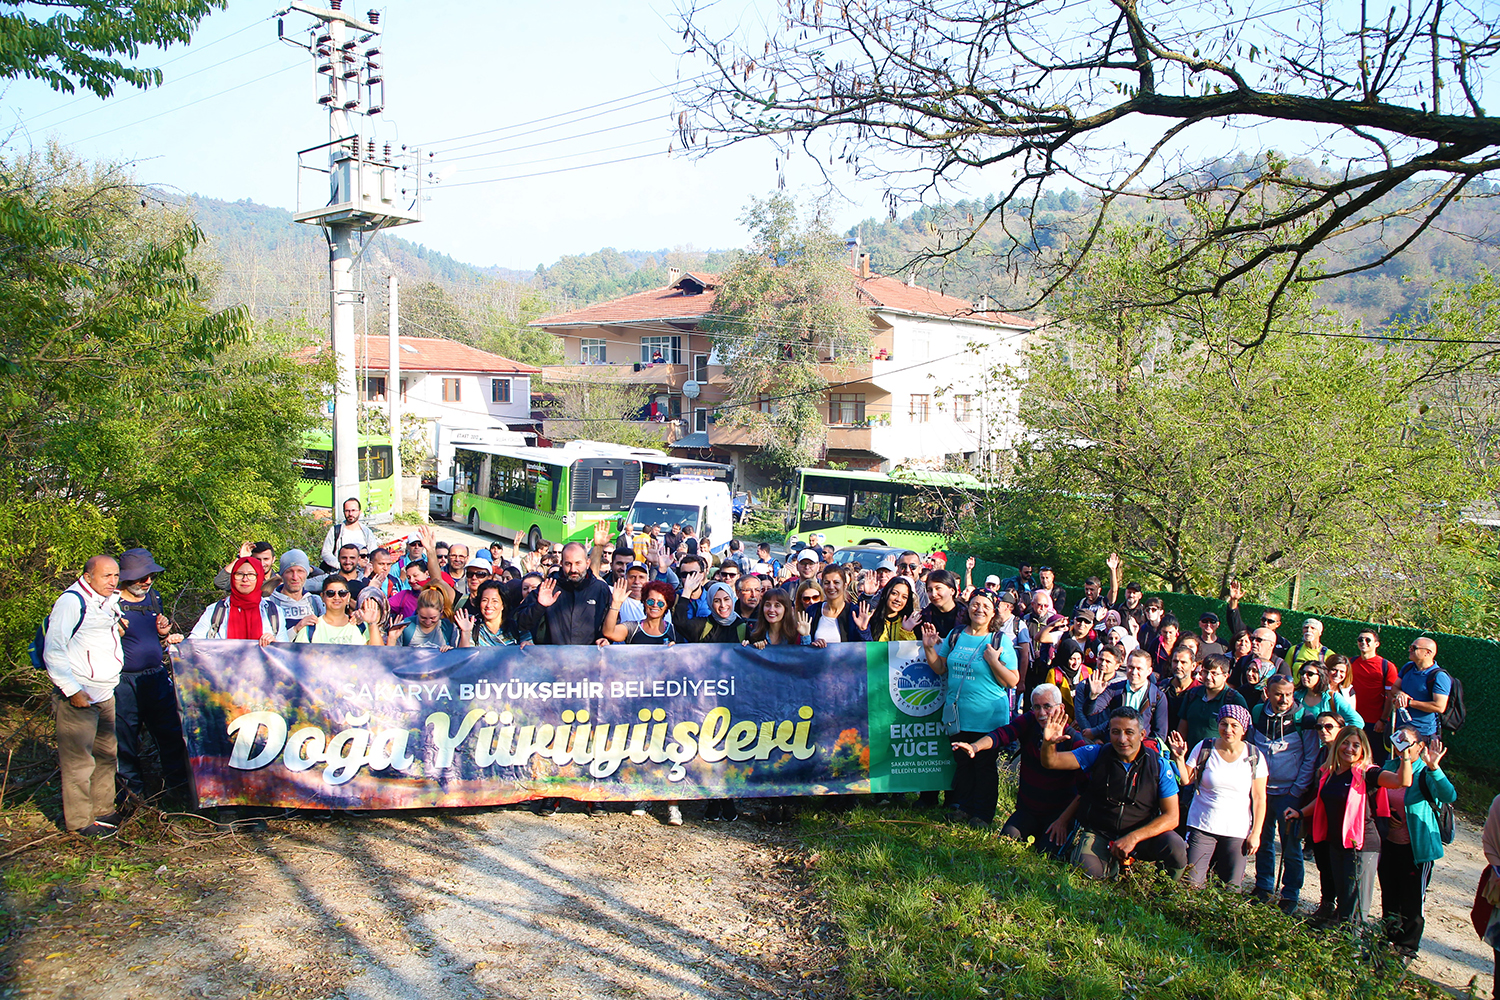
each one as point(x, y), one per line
point(691, 389)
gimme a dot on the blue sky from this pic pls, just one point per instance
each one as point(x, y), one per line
point(550, 86)
point(453, 68)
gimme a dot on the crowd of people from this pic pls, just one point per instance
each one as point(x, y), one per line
point(1138, 740)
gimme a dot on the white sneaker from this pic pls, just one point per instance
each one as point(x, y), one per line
point(674, 816)
point(639, 810)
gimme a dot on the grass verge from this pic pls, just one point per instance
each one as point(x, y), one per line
point(932, 910)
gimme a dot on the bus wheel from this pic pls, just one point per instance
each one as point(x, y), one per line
point(474, 521)
point(534, 540)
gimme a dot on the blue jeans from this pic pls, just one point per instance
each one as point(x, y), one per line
point(1290, 833)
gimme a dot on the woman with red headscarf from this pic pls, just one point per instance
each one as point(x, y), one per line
point(244, 614)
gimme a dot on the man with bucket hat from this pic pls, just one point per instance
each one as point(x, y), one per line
point(144, 696)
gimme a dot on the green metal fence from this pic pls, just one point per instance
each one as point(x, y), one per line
point(1475, 662)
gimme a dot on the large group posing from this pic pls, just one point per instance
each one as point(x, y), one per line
point(1138, 740)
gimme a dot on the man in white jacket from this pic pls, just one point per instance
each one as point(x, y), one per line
point(84, 658)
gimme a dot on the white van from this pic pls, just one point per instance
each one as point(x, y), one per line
point(702, 503)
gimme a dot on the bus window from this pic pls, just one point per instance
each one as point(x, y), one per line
point(466, 469)
point(871, 507)
point(606, 486)
point(317, 465)
point(825, 510)
point(920, 510)
point(375, 463)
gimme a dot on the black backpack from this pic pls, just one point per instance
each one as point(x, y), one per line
point(1455, 714)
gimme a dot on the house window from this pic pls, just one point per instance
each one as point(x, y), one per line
point(765, 404)
point(919, 402)
point(591, 352)
point(450, 390)
point(846, 407)
point(700, 419)
point(500, 390)
point(661, 350)
point(404, 386)
point(700, 367)
point(374, 390)
point(963, 408)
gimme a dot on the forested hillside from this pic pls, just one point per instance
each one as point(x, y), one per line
point(278, 268)
point(933, 242)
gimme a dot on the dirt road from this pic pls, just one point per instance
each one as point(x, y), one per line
point(458, 904)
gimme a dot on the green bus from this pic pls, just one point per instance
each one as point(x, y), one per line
point(916, 510)
point(535, 493)
point(377, 482)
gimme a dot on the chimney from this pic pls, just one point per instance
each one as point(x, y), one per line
point(853, 247)
point(984, 304)
point(864, 265)
point(673, 273)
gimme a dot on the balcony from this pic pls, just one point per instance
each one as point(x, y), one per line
point(565, 429)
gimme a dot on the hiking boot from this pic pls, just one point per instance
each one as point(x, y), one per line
point(591, 809)
point(548, 807)
point(1262, 895)
point(115, 818)
point(1288, 905)
point(674, 815)
point(639, 810)
point(98, 831)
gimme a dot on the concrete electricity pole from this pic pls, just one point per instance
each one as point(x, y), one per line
point(393, 393)
point(367, 191)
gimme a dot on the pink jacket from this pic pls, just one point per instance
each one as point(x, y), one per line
point(1353, 821)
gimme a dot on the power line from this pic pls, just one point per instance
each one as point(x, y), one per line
point(547, 173)
point(189, 104)
point(566, 156)
point(114, 103)
point(191, 50)
point(547, 142)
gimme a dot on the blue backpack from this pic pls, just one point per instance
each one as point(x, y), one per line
point(37, 649)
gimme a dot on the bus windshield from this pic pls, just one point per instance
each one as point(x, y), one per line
point(665, 513)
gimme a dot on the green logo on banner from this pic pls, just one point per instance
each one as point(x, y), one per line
point(908, 750)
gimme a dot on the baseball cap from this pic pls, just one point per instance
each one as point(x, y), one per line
point(1008, 597)
point(637, 565)
point(1209, 616)
point(1086, 615)
point(887, 563)
point(807, 555)
point(992, 578)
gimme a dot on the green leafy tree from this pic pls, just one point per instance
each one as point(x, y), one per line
point(1210, 460)
point(79, 45)
point(597, 409)
point(786, 318)
point(132, 414)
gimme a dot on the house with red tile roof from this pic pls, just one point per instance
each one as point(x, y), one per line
point(923, 399)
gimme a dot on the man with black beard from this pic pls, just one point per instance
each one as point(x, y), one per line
point(567, 609)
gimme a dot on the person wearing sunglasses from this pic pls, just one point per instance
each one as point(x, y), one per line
point(1375, 681)
point(1314, 694)
point(144, 696)
point(655, 628)
point(336, 625)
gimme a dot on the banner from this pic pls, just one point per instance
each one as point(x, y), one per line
point(370, 727)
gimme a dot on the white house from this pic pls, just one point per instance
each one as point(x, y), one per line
point(454, 387)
